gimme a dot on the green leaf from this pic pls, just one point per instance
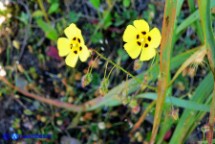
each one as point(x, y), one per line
point(37, 13)
point(74, 17)
point(123, 55)
point(118, 20)
point(189, 117)
point(95, 3)
point(187, 22)
point(107, 19)
point(96, 37)
point(53, 8)
point(24, 18)
point(28, 112)
point(126, 3)
point(53, 1)
point(188, 104)
point(191, 19)
point(47, 28)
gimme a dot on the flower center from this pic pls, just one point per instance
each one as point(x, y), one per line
point(143, 39)
point(75, 45)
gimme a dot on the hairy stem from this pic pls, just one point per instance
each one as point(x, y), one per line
point(165, 58)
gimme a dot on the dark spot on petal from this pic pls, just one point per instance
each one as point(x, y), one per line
point(143, 32)
point(149, 38)
point(75, 52)
point(74, 38)
point(138, 36)
point(139, 43)
point(79, 40)
point(71, 45)
point(80, 48)
point(146, 45)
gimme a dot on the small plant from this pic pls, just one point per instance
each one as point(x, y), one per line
point(135, 84)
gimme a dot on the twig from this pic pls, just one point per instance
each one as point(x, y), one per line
point(142, 118)
point(68, 106)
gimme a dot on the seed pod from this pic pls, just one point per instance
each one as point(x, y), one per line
point(86, 79)
point(104, 86)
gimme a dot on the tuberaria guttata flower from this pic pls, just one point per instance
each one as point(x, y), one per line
point(73, 47)
point(140, 41)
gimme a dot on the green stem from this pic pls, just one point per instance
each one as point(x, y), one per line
point(110, 72)
point(117, 66)
point(165, 58)
point(205, 18)
point(43, 10)
point(122, 69)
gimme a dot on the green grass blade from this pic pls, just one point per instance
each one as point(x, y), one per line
point(191, 19)
point(188, 117)
point(187, 104)
point(165, 58)
point(206, 23)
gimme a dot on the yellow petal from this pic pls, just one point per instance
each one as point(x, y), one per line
point(82, 40)
point(155, 38)
point(141, 25)
point(72, 31)
point(130, 33)
point(147, 54)
point(71, 59)
point(84, 53)
point(63, 46)
point(132, 49)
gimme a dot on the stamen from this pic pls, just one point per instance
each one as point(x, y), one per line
point(139, 43)
point(79, 40)
point(137, 36)
point(71, 45)
point(143, 32)
point(149, 38)
point(80, 48)
point(74, 38)
point(146, 45)
point(75, 52)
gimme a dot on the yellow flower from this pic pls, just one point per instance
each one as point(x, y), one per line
point(139, 39)
point(73, 46)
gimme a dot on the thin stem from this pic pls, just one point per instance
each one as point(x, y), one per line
point(142, 118)
point(105, 70)
point(117, 66)
point(122, 69)
point(43, 10)
point(110, 72)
